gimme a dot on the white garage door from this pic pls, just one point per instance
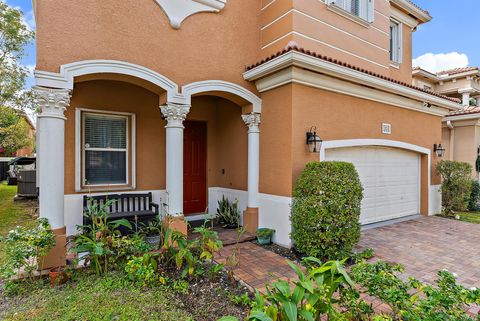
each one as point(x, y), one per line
point(390, 179)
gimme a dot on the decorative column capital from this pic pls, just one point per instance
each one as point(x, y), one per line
point(175, 114)
point(51, 103)
point(253, 121)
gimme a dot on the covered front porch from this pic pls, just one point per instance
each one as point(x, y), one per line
point(109, 127)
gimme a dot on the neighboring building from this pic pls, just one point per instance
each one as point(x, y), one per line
point(461, 128)
point(26, 151)
point(461, 83)
point(343, 67)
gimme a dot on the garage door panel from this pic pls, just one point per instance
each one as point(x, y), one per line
point(390, 178)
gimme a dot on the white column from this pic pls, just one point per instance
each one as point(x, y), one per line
point(478, 101)
point(466, 99)
point(51, 104)
point(175, 115)
point(252, 120)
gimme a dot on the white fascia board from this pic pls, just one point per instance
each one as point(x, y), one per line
point(462, 117)
point(325, 82)
point(404, 18)
point(413, 10)
point(297, 59)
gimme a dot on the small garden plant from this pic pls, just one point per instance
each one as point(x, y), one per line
point(26, 249)
point(228, 213)
point(326, 210)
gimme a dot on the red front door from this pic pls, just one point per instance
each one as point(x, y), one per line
point(194, 167)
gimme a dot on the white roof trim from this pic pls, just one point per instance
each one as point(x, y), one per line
point(413, 10)
point(297, 59)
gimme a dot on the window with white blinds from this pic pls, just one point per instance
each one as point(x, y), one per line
point(361, 8)
point(396, 42)
point(105, 149)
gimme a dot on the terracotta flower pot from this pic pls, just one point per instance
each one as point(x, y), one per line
point(58, 276)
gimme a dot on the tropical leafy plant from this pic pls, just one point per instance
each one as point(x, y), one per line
point(152, 228)
point(413, 300)
point(27, 248)
point(208, 244)
point(315, 294)
point(143, 269)
point(95, 242)
point(228, 213)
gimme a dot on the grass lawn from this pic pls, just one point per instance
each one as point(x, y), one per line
point(12, 213)
point(109, 297)
point(470, 217)
point(94, 298)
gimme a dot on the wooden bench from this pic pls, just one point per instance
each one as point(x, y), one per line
point(136, 208)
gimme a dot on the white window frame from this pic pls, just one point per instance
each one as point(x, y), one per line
point(366, 10)
point(396, 47)
point(80, 185)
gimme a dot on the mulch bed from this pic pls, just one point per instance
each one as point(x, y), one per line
point(210, 300)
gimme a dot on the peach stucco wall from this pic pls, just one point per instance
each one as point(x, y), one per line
point(462, 143)
point(208, 46)
point(295, 108)
point(313, 26)
point(226, 133)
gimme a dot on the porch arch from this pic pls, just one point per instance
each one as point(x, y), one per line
point(68, 72)
point(222, 86)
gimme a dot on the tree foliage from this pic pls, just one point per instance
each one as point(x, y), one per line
point(14, 131)
point(15, 35)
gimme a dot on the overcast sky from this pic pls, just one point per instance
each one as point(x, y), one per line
point(450, 40)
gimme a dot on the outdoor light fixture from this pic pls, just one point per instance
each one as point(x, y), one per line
point(313, 141)
point(439, 150)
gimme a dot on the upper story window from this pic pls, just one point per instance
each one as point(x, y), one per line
point(363, 9)
point(395, 42)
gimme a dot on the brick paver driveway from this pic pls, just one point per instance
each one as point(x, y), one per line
point(428, 244)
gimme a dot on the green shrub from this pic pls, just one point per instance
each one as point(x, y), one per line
point(326, 210)
point(474, 202)
point(413, 300)
point(456, 185)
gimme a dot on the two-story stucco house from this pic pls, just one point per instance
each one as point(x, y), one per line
point(461, 128)
point(195, 99)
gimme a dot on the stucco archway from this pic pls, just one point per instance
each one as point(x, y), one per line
point(222, 86)
point(66, 77)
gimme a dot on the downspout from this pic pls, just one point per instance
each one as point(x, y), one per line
point(452, 139)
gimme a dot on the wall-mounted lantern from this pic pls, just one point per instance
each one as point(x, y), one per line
point(314, 142)
point(439, 150)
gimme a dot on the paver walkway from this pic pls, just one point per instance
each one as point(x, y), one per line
point(428, 244)
point(257, 266)
point(424, 246)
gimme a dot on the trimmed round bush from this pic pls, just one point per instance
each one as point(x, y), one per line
point(326, 210)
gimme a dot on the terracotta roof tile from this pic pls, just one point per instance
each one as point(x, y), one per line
point(456, 71)
point(465, 111)
point(418, 7)
point(294, 47)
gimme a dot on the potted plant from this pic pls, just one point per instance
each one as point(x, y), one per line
point(228, 214)
point(152, 232)
point(264, 235)
point(58, 276)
